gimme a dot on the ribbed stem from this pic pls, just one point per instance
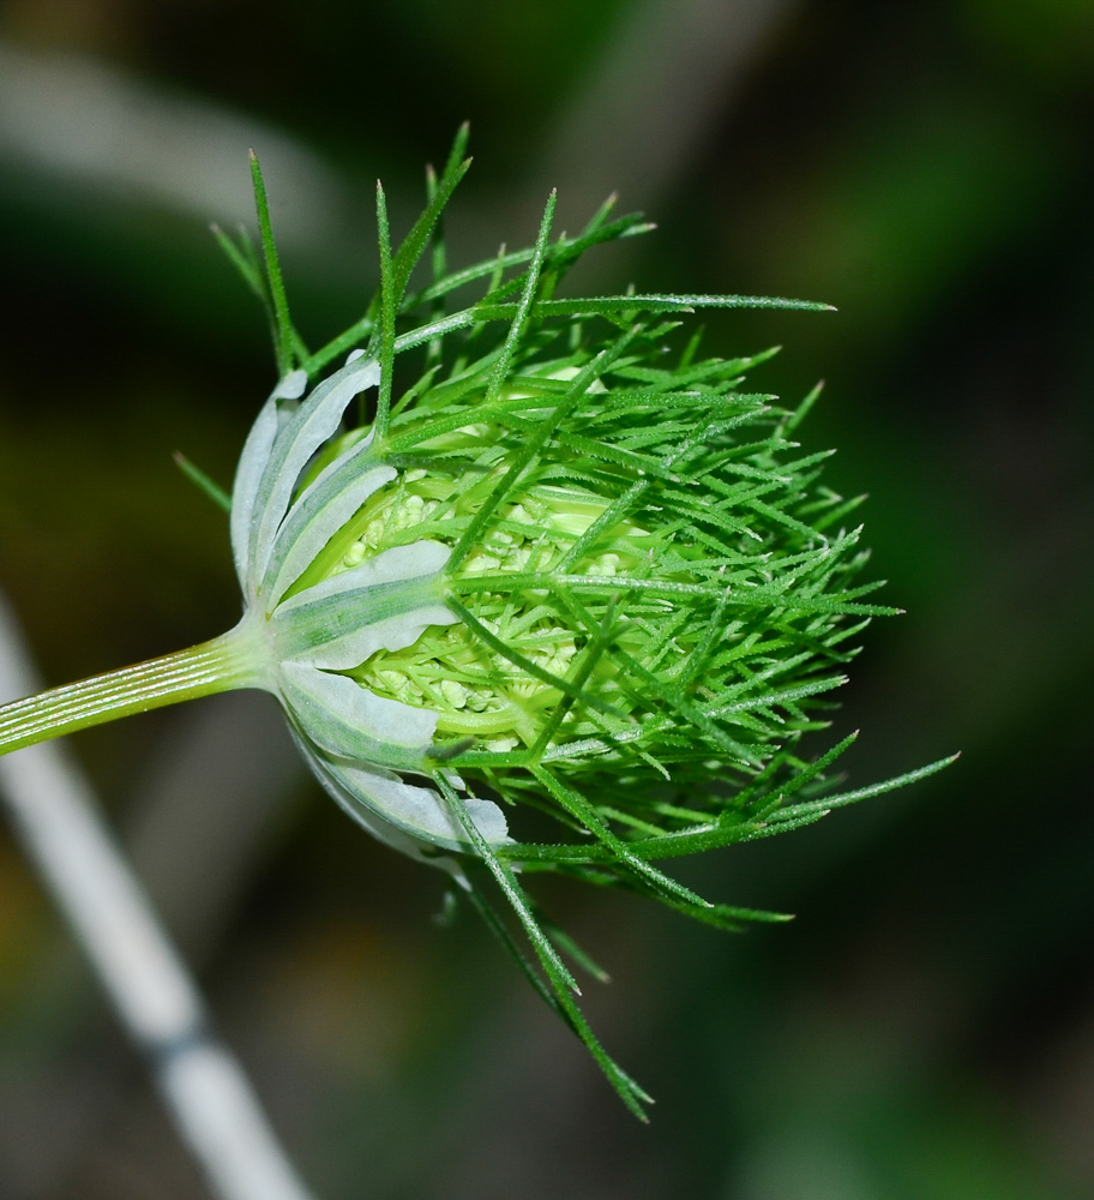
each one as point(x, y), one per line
point(233, 660)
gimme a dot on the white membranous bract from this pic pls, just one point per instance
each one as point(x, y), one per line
point(355, 740)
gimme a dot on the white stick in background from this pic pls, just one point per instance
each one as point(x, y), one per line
point(56, 817)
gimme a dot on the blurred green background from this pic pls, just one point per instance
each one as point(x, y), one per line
point(925, 1029)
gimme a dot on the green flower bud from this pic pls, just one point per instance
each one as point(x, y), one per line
point(638, 609)
point(566, 599)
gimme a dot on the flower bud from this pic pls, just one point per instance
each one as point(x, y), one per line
point(566, 599)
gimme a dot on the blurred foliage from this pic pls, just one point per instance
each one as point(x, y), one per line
point(925, 1029)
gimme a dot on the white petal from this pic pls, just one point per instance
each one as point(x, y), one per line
point(383, 603)
point(361, 812)
point(422, 811)
point(292, 387)
point(316, 517)
point(252, 463)
point(391, 566)
point(392, 633)
point(348, 720)
point(315, 421)
point(405, 816)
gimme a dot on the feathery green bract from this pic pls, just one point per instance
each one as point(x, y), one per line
point(655, 593)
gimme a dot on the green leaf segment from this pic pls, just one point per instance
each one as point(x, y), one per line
point(639, 593)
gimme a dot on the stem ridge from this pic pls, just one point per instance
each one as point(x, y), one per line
point(219, 665)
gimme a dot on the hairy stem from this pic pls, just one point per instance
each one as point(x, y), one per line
point(227, 662)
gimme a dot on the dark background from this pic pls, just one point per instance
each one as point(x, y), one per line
point(925, 1029)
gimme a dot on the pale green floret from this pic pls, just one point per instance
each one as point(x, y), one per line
point(475, 692)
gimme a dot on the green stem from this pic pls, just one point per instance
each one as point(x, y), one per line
point(233, 660)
